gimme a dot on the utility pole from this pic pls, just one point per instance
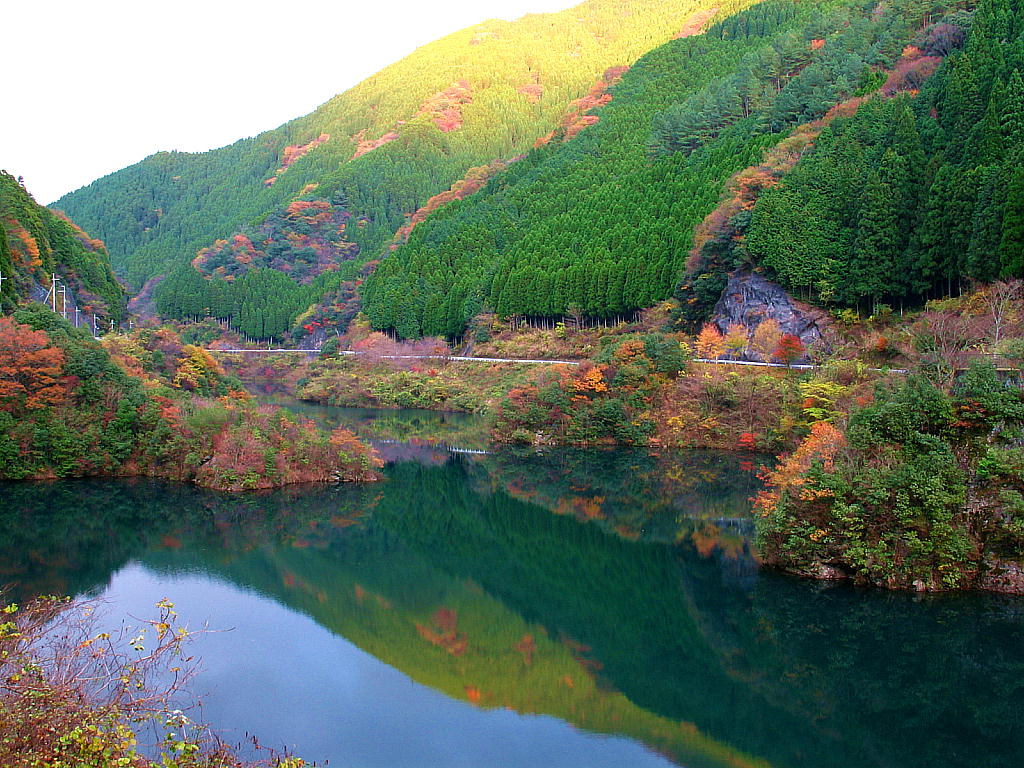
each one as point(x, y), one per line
point(64, 301)
point(53, 292)
point(77, 313)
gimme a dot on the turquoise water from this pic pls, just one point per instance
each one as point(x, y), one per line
point(574, 608)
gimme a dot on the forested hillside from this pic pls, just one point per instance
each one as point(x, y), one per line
point(263, 303)
point(382, 149)
point(36, 243)
point(911, 196)
point(860, 153)
point(603, 224)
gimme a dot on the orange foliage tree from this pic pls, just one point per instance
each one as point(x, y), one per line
point(30, 368)
point(710, 342)
point(790, 476)
point(789, 349)
point(25, 246)
point(588, 380)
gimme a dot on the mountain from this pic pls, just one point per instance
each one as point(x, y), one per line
point(369, 158)
point(860, 154)
point(36, 243)
point(604, 224)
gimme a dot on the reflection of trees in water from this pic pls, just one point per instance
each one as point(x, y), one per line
point(69, 537)
point(789, 671)
point(403, 424)
point(698, 496)
point(775, 667)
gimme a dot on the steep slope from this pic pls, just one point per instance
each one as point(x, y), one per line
point(911, 196)
point(36, 243)
point(382, 149)
point(601, 225)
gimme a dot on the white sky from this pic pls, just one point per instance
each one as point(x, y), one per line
point(91, 86)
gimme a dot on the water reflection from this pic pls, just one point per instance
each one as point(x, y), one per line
point(635, 610)
point(402, 434)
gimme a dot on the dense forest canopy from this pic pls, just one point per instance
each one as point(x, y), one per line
point(383, 148)
point(860, 153)
point(602, 225)
point(910, 196)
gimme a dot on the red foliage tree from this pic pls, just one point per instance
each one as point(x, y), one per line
point(30, 368)
point(790, 349)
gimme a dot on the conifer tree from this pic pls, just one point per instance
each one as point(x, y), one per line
point(1012, 117)
point(873, 264)
point(1011, 250)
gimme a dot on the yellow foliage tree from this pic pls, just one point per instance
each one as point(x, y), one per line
point(736, 340)
point(197, 370)
point(766, 338)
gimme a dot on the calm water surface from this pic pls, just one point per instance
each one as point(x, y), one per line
point(576, 608)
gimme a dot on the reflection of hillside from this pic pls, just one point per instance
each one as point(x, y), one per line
point(408, 425)
point(774, 667)
point(68, 537)
point(446, 576)
point(701, 496)
point(448, 633)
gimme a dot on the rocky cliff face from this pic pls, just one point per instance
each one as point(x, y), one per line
point(750, 298)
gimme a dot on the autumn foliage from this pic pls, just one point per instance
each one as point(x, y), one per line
point(443, 631)
point(710, 343)
point(610, 399)
point(290, 154)
point(364, 145)
point(696, 23)
point(790, 475)
point(766, 339)
point(579, 116)
point(789, 349)
point(264, 447)
point(444, 108)
point(307, 237)
point(30, 369)
point(473, 181)
point(146, 404)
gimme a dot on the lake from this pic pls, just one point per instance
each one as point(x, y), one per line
point(570, 608)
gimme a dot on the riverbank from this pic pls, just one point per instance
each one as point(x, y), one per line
point(432, 384)
point(927, 499)
point(71, 695)
point(148, 405)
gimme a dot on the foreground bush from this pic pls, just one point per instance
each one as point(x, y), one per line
point(73, 696)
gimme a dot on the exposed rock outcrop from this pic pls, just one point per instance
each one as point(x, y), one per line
point(1003, 576)
point(750, 298)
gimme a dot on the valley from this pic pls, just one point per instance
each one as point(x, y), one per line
point(640, 383)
